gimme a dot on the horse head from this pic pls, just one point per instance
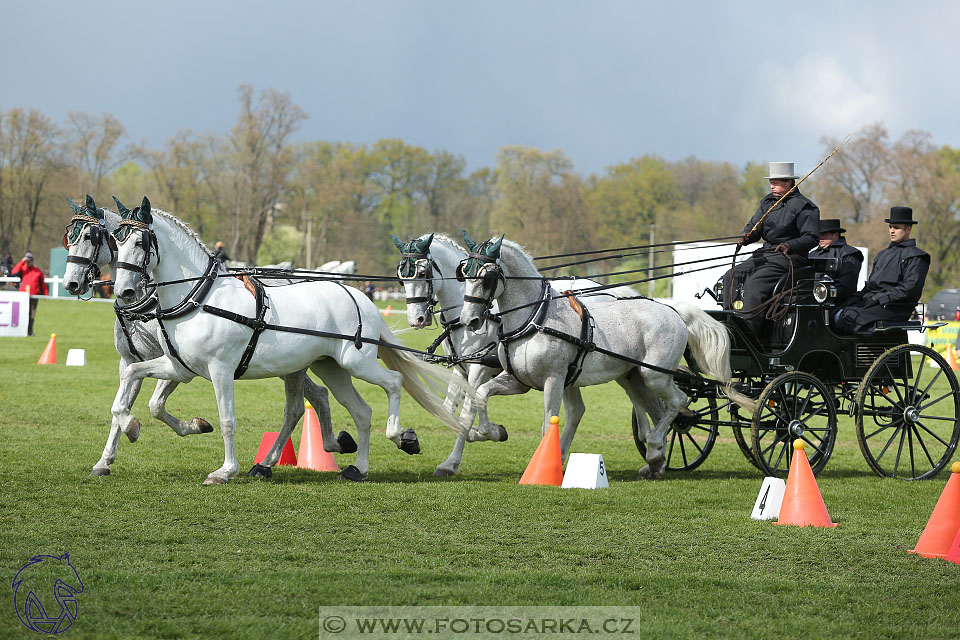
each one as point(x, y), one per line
point(88, 244)
point(484, 280)
point(415, 272)
point(136, 242)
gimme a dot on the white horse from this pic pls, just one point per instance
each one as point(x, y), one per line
point(335, 331)
point(535, 356)
point(427, 268)
point(90, 248)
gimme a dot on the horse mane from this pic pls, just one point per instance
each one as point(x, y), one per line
point(447, 240)
point(522, 256)
point(183, 227)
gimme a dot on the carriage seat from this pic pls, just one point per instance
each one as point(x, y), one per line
point(893, 325)
point(803, 273)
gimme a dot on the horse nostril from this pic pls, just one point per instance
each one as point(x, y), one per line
point(72, 286)
point(420, 320)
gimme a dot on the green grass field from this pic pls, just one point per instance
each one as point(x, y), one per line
point(163, 556)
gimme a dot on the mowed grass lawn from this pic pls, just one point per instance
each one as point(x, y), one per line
point(163, 556)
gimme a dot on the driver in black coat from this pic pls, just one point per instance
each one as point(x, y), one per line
point(789, 232)
point(834, 245)
point(895, 284)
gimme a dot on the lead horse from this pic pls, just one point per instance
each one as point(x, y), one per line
point(91, 247)
point(224, 320)
point(556, 344)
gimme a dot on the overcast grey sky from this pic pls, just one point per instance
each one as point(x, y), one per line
point(604, 81)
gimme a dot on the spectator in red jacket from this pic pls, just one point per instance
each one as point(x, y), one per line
point(31, 279)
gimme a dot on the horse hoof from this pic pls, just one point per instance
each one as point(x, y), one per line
point(444, 473)
point(648, 474)
point(497, 433)
point(99, 472)
point(351, 473)
point(260, 471)
point(409, 443)
point(205, 427)
point(215, 480)
point(133, 430)
point(346, 442)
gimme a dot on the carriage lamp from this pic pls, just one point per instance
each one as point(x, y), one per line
point(824, 290)
point(718, 289)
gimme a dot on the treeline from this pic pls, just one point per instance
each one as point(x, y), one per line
point(271, 198)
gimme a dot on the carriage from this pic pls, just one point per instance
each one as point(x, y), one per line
point(904, 398)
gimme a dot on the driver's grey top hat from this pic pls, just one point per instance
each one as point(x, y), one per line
point(781, 171)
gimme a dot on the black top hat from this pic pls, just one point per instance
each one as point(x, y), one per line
point(901, 215)
point(831, 225)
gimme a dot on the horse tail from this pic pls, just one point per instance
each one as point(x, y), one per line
point(709, 344)
point(426, 383)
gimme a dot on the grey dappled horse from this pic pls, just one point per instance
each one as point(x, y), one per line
point(639, 329)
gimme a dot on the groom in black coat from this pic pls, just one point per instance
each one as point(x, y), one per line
point(895, 284)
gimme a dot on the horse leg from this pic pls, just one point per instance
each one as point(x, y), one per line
point(319, 399)
point(478, 375)
point(223, 388)
point(158, 409)
point(455, 394)
point(391, 382)
point(120, 416)
point(552, 395)
point(573, 409)
point(503, 385)
point(659, 391)
point(337, 379)
point(293, 410)
point(632, 384)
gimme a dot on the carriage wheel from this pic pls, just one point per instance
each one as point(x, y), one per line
point(691, 435)
point(794, 406)
point(907, 413)
point(741, 433)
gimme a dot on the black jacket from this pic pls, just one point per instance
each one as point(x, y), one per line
point(795, 221)
point(898, 274)
point(850, 262)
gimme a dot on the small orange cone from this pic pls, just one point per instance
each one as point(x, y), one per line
point(546, 466)
point(312, 454)
point(941, 530)
point(287, 456)
point(802, 503)
point(387, 311)
point(952, 357)
point(49, 355)
point(953, 555)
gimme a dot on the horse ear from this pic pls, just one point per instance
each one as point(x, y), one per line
point(426, 243)
point(494, 250)
point(470, 243)
point(144, 209)
point(91, 205)
point(145, 205)
point(397, 242)
point(120, 208)
point(76, 208)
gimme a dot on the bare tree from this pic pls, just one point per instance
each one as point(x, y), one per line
point(94, 148)
point(860, 172)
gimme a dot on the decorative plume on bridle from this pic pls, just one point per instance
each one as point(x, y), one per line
point(138, 218)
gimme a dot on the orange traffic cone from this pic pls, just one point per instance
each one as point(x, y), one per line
point(287, 456)
point(546, 466)
point(952, 357)
point(387, 311)
point(49, 355)
point(802, 503)
point(941, 530)
point(312, 454)
point(953, 555)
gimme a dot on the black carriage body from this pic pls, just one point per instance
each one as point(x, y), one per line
point(904, 398)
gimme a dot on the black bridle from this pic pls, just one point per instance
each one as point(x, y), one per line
point(476, 265)
point(148, 239)
point(98, 235)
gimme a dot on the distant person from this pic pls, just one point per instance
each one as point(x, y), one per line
point(220, 253)
point(6, 267)
point(895, 284)
point(368, 289)
point(834, 245)
point(789, 232)
point(31, 279)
